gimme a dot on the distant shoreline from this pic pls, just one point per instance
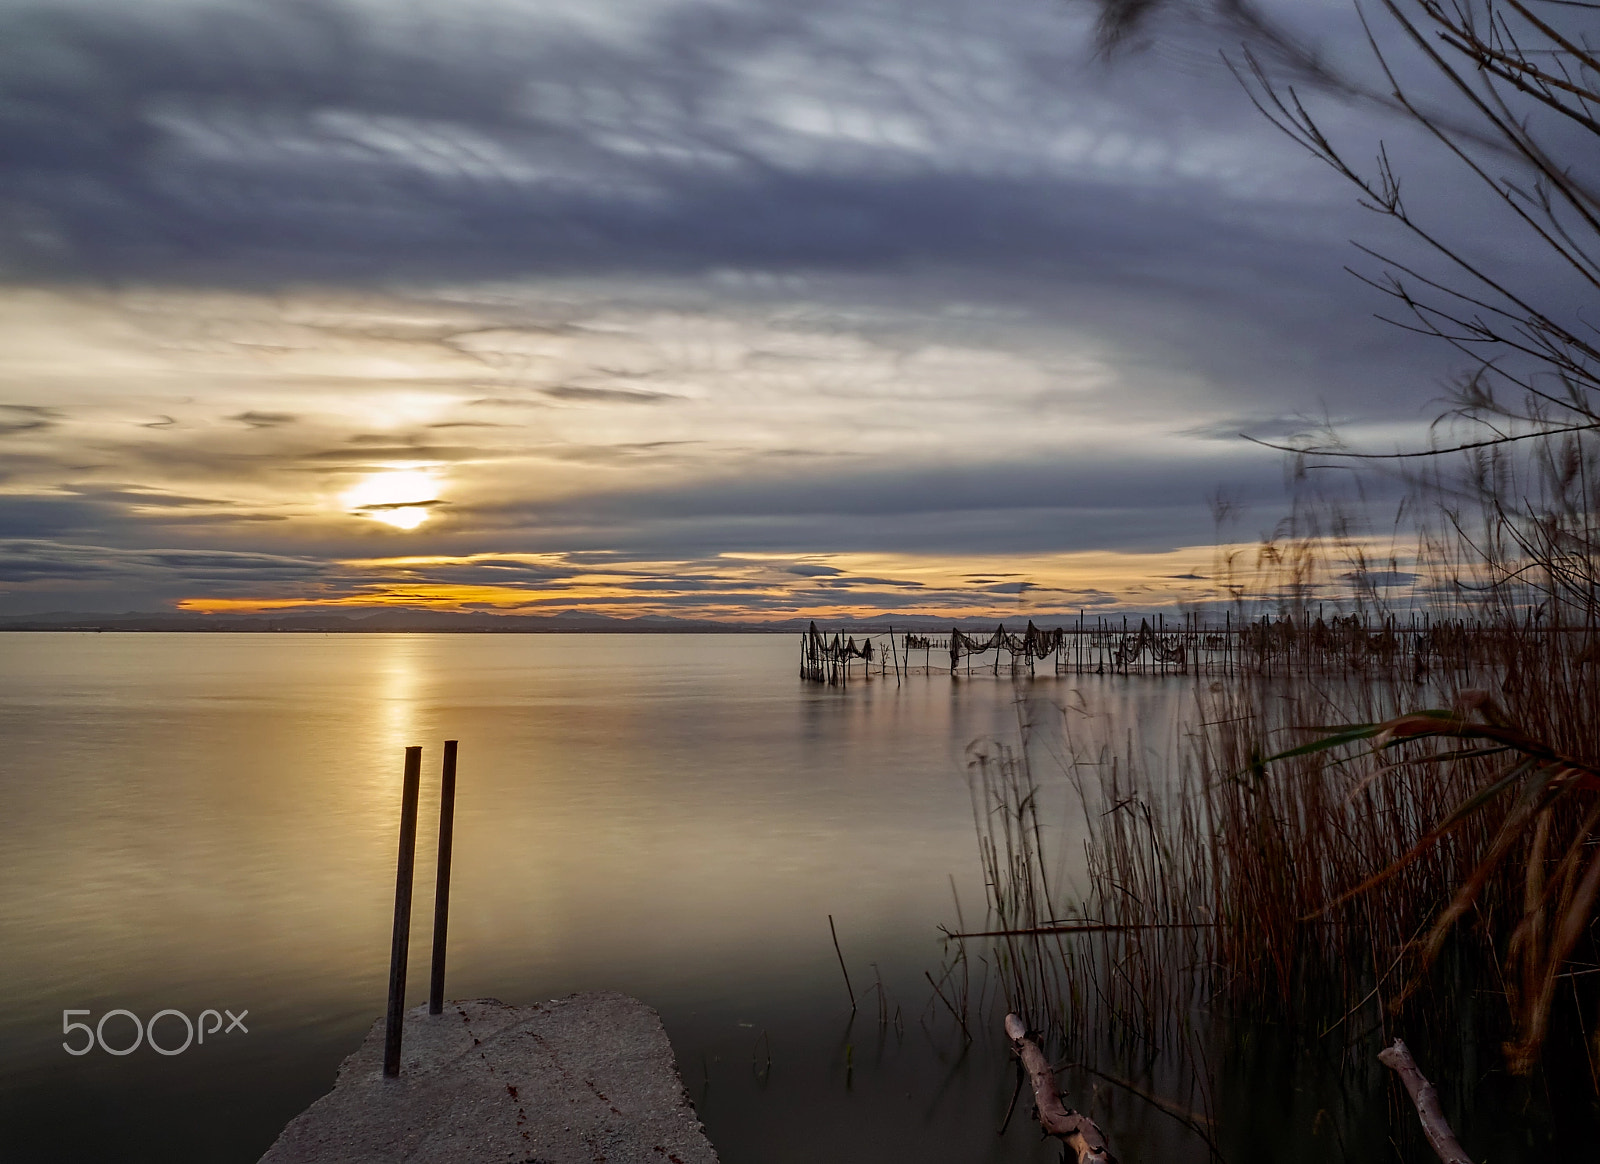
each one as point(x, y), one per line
point(418, 630)
point(439, 623)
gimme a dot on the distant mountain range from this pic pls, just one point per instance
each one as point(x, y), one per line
point(392, 621)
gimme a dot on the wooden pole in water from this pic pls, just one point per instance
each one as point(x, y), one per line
point(441, 887)
point(401, 945)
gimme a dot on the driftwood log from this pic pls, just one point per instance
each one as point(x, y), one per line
point(1398, 1059)
point(1078, 1132)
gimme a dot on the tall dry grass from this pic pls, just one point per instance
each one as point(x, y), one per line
point(1348, 856)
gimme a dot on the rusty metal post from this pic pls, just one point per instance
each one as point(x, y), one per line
point(402, 914)
point(441, 889)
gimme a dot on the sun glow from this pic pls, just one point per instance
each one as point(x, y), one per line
point(401, 497)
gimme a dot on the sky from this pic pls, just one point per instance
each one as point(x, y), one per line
point(731, 309)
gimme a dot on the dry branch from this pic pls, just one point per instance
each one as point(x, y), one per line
point(1434, 1125)
point(1079, 1132)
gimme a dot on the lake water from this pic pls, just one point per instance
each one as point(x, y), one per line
point(199, 821)
point(209, 821)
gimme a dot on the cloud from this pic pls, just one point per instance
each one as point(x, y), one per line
point(1007, 493)
point(40, 574)
point(806, 571)
point(228, 136)
point(833, 426)
point(21, 418)
point(34, 561)
point(47, 515)
point(136, 496)
point(607, 395)
point(368, 454)
point(1382, 577)
point(264, 419)
point(1263, 426)
point(382, 506)
point(852, 277)
point(506, 402)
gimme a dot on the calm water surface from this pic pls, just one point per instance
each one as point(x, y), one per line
point(208, 821)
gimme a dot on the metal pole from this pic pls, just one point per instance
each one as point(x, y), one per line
point(402, 914)
point(441, 889)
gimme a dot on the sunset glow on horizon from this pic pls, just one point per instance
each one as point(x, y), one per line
point(762, 587)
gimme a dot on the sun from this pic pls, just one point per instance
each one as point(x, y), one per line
point(401, 497)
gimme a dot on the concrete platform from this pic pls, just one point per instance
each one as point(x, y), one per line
point(588, 1079)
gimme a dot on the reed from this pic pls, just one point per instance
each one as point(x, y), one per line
point(1345, 853)
point(1393, 845)
point(1297, 874)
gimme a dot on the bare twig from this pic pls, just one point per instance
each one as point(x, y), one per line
point(842, 970)
point(948, 1005)
point(1077, 1131)
point(1443, 1141)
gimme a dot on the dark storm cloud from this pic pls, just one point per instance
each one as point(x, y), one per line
point(212, 564)
point(240, 140)
point(936, 175)
point(119, 514)
point(44, 515)
point(918, 147)
point(1132, 503)
point(315, 137)
point(1122, 481)
point(1264, 427)
point(33, 560)
point(1044, 529)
